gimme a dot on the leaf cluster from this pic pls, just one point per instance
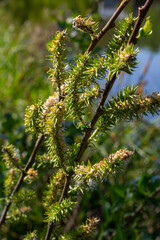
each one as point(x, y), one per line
point(57, 47)
point(86, 25)
point(128, 106)
point(58, 211)
point(83, 231)
point(87, 177)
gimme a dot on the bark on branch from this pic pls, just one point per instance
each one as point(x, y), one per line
point(110, 24)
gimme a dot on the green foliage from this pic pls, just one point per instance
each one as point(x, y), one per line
point(57, 47)
point(146, 30)
point(152, 42)
point(31, 236)
point(127, 106)
point(83, 232)
point(34, 118)
point(59, 175)
point(54, 190)
point(58, 211)
point(127, 207)
point(11, 156)
point(81, 85)
point(22, 67)
point(12, 161)
point(10, 181)
point(118, 199)
point(54, 129)
point(119, 56)
point(123, 60)
point(88, 177)
point(78, 87)
point(148, 185)
point(86, 25)
point(41, 11)
point(25, 196)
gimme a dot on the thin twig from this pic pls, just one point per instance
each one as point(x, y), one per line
point(49, 231)
point(21, 178)
point(74, 218)
point(110, 24)
point(142, 11)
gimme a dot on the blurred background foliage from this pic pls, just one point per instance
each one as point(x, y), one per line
point(128, 204)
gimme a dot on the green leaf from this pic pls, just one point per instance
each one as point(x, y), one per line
point(59, 210)
point(146, 30)
point(120, 192)
point(148, 184)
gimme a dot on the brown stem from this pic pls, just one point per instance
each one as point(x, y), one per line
point(110, 24)
point(142, 13)
point(21, 178)
point(66, 186)
point(73, 219)
point(49, 231)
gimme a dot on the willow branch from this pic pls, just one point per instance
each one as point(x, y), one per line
point(132, 40)
point(98, 113)
point(106, 92)
point(20, 180)
point(110, 24)
point(142, 11)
